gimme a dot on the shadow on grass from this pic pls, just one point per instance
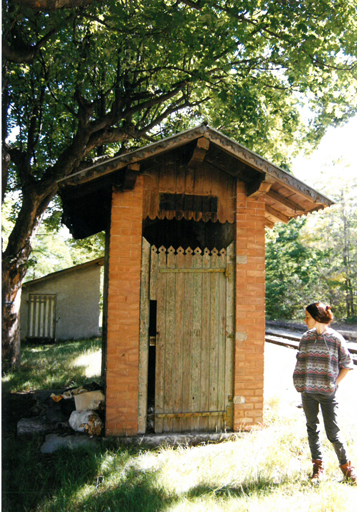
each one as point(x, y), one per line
point(75, 480)
point(244, 489)
point(138, 492)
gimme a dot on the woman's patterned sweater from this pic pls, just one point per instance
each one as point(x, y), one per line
point(319, 361)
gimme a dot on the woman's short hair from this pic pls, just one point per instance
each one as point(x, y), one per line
point(320, 312)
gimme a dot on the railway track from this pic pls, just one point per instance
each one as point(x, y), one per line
point(292, 341)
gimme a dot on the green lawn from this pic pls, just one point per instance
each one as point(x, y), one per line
point(265, 470)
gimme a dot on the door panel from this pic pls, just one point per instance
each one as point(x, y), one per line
point(194, 344)
point(42, 316)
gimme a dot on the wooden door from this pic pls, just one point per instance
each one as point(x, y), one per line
point(42, 315)
point(194, 342)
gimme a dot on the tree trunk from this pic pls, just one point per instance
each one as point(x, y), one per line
point(14, 268)
point(13, 274)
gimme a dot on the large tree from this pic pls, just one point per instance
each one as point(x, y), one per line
point(85, 79)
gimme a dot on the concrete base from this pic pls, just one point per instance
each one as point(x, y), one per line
point(187, 439)
point(55, 442)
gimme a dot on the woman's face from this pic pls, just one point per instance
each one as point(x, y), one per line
point(309, 321)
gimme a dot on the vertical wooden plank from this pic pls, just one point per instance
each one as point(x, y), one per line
point(41, 315)
point(53, 318)
point(179, 339)
point(45, 316)
point(151, 197)
point(214, 342)
point(31, 311)
point(160, 341)
point(180, 189)
point(187, 339)
point(205, 353)
point(154, 262)
point(144, 336)
point(199, 178)
point(197, 305)
point(229, 335)
point(170, 300)
point(221, 329)
point(37, 312)
point(189, 189)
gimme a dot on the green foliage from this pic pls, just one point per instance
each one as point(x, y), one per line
point(105, 76)
point(246, 68)
point(289, 271)
point(315, 258)
point(334, 233)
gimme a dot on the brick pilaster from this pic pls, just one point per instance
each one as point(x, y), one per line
point(124, 312)
point(250, 311)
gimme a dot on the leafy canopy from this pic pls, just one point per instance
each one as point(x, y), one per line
point(123, 70)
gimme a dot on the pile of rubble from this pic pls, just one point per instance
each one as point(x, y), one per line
point(62, 416)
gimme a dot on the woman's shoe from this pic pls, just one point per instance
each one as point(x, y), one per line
point(318, 471)
point(349, 471)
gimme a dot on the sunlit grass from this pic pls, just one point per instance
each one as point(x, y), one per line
point(91, 362)
point(265, 470)
point(55, 366)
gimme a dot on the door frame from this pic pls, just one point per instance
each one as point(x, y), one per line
point(149, 292)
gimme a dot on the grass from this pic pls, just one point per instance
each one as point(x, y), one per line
point(264, 470)
point(60, 365)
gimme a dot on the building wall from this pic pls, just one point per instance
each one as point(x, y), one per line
point(250, 311)
point(124, 312)
point(77, 302)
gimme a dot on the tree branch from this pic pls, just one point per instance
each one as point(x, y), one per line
point(52, 5)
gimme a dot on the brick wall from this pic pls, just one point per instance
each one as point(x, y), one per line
point(124, 312)
point(250, 311)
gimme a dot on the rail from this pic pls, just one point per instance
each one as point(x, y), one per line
point(292, 341)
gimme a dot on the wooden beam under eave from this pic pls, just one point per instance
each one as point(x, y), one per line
point(278, 216)
point(269, 223)
point(131, 174)
point(296, 208)
point(199, 152)
point(259, 188)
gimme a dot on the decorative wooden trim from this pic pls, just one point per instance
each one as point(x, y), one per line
point(201, 133)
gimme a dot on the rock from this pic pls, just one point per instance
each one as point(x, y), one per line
point(55, 442)
point(33, 426)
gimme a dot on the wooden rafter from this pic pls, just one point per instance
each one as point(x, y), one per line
point(199, 152)
point(260, 187)
point(296, 208)
point(277, 216)
point(269, 223)
point(131, 174)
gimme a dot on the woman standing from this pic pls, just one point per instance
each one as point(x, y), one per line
point(323, 361)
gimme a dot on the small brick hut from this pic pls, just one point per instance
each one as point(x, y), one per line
point(184, 319)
